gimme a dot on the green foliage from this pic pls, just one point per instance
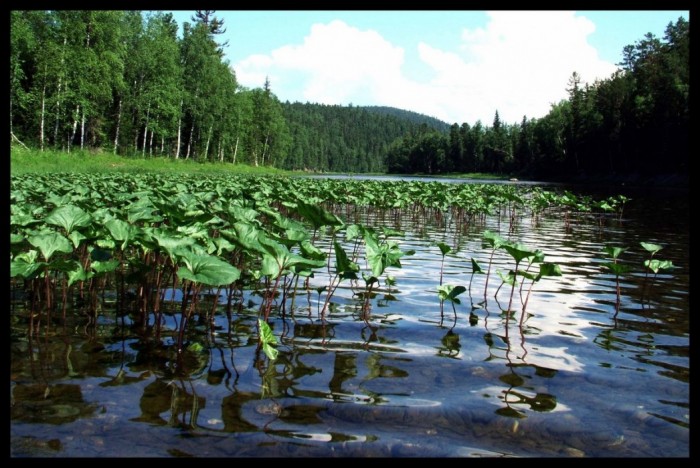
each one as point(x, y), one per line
point(656, 265)
point(449, 292)
point(206, 269)
point(268, 340)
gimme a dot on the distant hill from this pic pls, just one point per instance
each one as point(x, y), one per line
point(414, 117)
point(347, 138)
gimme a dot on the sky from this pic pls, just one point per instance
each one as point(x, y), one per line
point(458, 66)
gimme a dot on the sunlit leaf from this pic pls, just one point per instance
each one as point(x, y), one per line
point(444, 248)
point(614, 251)
point(656, 265)
point(207, 270)
point(50, 243)
point(651, 248)
point(26, 265)
point(69, 217)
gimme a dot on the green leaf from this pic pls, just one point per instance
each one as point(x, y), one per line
point(345, 268)
point(104, 267)
point(507, 278)
point(353, 231)
point(476, 268)
point(69, 217)
point(26, 265)
point(266, 335)
point(614, 251)
point(518, 251)
point(267, 338)
point(76, 237)
point(651, 248)
point(121, 231)
point(493, 240)
point(655, 265)
point(317, 216)
point(78, 274)
point(50, 243)
point(195, 347)
point(312, 252)
point(270, 352)
point(616, 268)
point(449, 292)
point(549, 269)
point(169, 241)
point(207, 269)
point(444, 248)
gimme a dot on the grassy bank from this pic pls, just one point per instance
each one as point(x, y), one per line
point(34, 161)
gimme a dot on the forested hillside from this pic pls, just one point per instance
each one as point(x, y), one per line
point(133, 83)
point(346, 138)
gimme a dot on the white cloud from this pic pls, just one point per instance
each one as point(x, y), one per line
point(518, 64)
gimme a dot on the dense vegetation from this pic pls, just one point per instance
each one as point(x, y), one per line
point(636, 121)
point(127, 82)
point(347, 139)
point(76, 236)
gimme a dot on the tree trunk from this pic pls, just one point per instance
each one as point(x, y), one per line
point(265, 149)
point(41, 123)
point(82, 131)
point(145, 131)
point(189, 143)
point(150, 145)
point(206, 148)
point(162, 145)
point(235, 151)
point(119, 120)
point(75, 127)
point(179, 131)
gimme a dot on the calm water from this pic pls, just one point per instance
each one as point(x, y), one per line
point(573, 380)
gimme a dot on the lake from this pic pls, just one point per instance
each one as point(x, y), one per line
point(582, 372)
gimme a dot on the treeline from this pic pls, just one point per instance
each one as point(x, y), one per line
point(127, 82)
point(636, 121)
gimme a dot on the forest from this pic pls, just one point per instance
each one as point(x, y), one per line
point(131, 83)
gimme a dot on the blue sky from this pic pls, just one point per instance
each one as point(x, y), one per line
point(459, 66)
